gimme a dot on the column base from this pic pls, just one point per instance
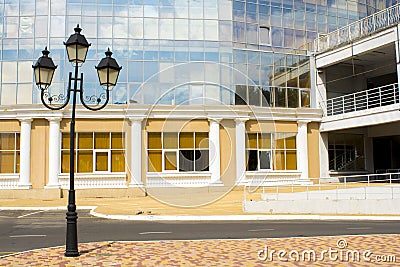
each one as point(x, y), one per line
point(216, 183)
point(24, 186)
point(304, 181)
point(136, 184)
point(52, 186)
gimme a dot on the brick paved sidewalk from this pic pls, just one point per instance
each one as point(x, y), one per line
point(339, 251)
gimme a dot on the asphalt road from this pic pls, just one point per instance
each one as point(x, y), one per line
point(24, 230)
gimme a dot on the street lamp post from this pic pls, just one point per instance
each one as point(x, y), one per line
point(108, 71)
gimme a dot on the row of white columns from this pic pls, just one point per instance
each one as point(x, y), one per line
point(136, 165)
point(25, 153)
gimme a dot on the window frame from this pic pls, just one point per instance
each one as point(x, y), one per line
point(177, 153)
point(93, 151)
point(272, 150)
point(258, 149)
point(261, 31)
point(102, 150)
point(16, 153)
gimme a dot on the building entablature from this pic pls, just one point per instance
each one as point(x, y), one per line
point(142, 112)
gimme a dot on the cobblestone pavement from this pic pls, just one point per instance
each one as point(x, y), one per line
point(369, 250)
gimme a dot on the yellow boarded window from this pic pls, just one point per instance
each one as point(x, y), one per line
point(170, 160)
point(170, 140)
point(117, 161)
point(102, 161)
point(291, 162)
point(186, 140)
point(279, 160)
point(251, 140)
point(155, 161)
point(117, 141)
point(94, 152)
point(264, 141)
point(101, 140)
point(85, 161)
point(7, 141)
point(291, 142)
point(9, 152)
point(154, 141)
point(201, 140)
point(7, 162)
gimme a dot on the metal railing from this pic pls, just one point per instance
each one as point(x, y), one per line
point(357, 185)
point(371, 98)
point(377, 21)
point(341, 160)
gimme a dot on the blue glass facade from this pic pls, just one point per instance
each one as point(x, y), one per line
point(174, 51)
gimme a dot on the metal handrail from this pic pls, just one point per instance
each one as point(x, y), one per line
point(363, 27)
point(367, 99)
point(344, 182)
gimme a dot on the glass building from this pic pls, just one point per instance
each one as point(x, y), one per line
point(188, 53)
point(240, 46)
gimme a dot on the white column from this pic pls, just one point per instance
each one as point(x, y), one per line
point(136, 152)
point(323, 155)
point(397, 48)
point(214, 151)
point(302, 149)
point(25, 154)
point(320, 90)
point(240, 150)
point(54, 152)
point(313, 80)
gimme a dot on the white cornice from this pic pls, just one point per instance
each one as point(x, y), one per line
point(163, 111)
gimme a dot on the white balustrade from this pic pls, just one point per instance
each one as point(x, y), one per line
point(363, 27)
point(367, 99)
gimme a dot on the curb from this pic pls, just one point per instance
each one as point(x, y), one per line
point(242, 217)
point(191, 218)
point(48, 208)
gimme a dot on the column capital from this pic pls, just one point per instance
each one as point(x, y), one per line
point(54, 119)
point(303, 122)
point(241, 119)
point(136, 119)
point(25, 119)
point(217, 120)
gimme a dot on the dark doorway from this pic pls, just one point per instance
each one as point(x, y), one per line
point(386, 153)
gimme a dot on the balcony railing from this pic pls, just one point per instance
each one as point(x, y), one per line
point(368, 99)
point(360, 28)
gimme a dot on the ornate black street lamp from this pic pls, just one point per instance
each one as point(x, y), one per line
point(108, 71)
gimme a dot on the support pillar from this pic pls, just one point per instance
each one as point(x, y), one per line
point(302, 150)
point(369, 154)
point(320, 91)
point(397, 48)
point(54, 153)
point(214, 150)
point(136, 152)
point(240, 150)
point(323, 155)
point(25, 154)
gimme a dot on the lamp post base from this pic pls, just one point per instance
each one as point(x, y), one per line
point(71, 244)
point(71, 248)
